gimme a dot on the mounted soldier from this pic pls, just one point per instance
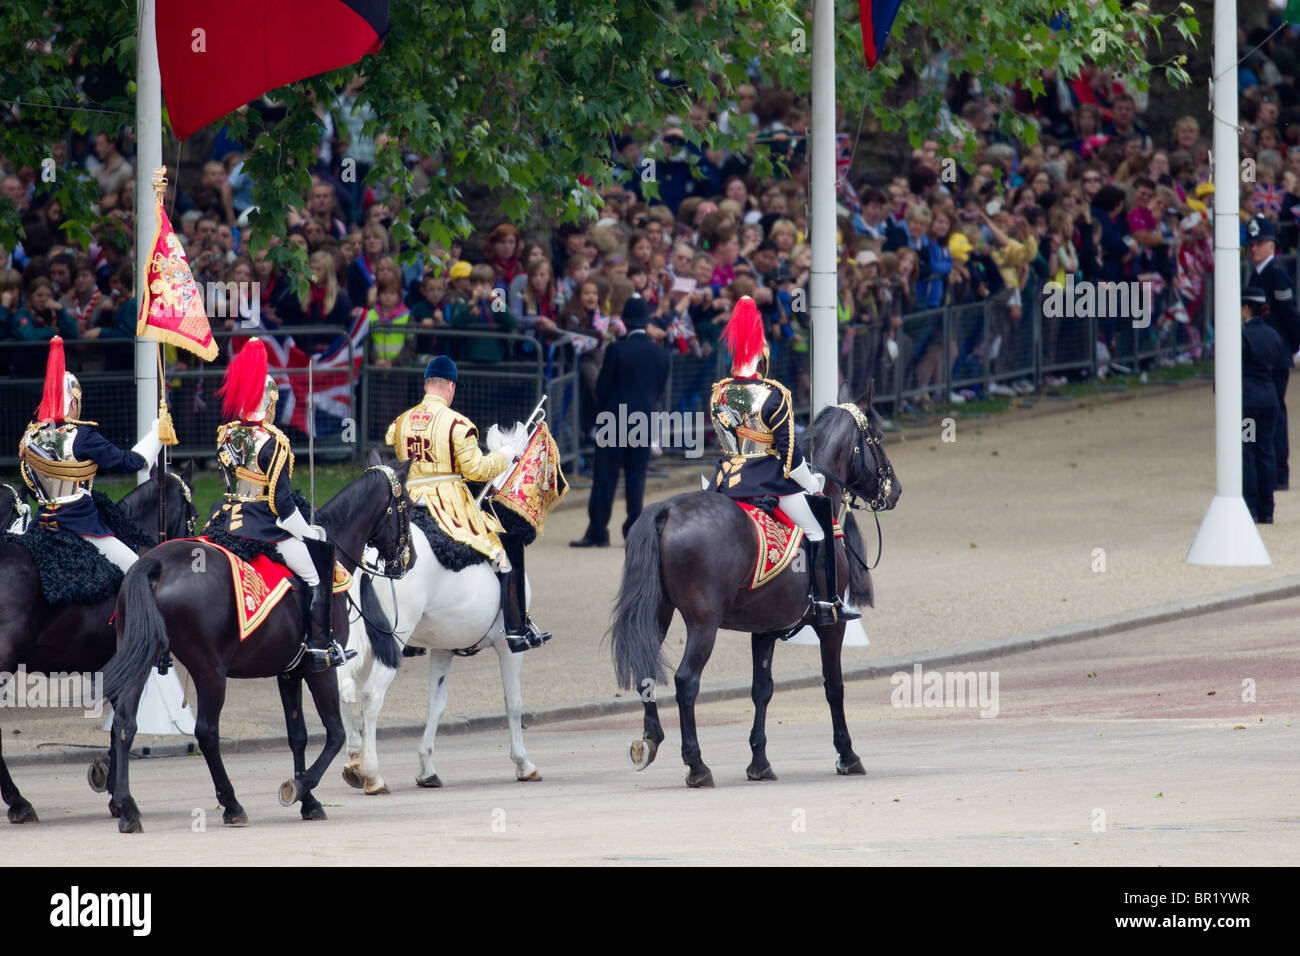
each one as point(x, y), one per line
point(257, 467)
point(754, 419)
point(443, 447)
point(60, 454)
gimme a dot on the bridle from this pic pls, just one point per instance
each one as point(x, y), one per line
point(404, 539)
point(188, 494)
point(868, 438)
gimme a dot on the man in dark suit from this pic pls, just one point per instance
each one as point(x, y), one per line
point(1268, 275)
point(628, 392)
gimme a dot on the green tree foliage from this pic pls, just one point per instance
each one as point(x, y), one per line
point(522, 97)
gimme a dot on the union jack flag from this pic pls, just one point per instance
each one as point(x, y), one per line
point(1268, 198)
point(330, 381)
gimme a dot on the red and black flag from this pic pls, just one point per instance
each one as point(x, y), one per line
point(877, 18)
point(217, 55)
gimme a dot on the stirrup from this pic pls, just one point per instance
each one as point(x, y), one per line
point(829, 613)
point(320, 659)
point(530, 637)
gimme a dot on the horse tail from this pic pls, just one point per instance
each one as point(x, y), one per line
point(382, 639)
point(144, 632)
point(861, 592)
point(634, 630)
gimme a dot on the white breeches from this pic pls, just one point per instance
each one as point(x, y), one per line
point(298, 558)
point(114, 550)
point(797, 510)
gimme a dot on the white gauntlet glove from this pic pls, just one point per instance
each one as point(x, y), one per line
point(810, 481)
point(149, 446)
point(297, 526)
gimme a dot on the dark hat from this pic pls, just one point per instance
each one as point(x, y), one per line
point(635, 312)
point(1259, 230)
point(442, 367)
point(1253, 293)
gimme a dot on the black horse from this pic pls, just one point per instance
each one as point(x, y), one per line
point(168, 603)
point(72, 638)
point(695, 553)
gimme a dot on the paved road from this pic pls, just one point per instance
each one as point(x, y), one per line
point(1132, 749)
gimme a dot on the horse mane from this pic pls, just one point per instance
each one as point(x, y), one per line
point(819, 424)
point(352, 496)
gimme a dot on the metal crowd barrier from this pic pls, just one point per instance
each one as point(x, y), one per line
point(504, 374)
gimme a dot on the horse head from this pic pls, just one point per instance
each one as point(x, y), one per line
point(848, 447)
point(392, 534)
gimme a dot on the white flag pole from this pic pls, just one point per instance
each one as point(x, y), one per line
point(148, 157)
point(1227, 535)
point(825, 368)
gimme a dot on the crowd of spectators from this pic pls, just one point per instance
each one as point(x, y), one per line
point(1100, 197)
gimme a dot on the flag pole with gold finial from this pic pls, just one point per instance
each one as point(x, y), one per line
point(166, 428)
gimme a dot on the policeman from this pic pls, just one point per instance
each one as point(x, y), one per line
point(753, 417)
point(1271, 278)
point(60, 454)
point(444, 446)
point(1263, 354)
point(257, 465)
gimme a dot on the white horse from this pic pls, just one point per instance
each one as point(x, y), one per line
point(446, 612)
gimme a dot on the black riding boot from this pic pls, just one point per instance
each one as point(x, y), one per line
point(323, 652)
point(828, 609)
point(521, 633)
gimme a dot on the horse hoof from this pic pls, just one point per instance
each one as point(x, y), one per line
point(23, 813)
point(234, 817)
point(129, 826)
point(703, 780)
point(429, 783)
point(641, 752)
point(853, 769)
point(290, 793)
point(97, 775)
point(760, 773)
point(372, 791)
point(352, 776)
point(317, 813)
point(533, 777)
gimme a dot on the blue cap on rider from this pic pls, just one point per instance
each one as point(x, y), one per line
point(442, 367)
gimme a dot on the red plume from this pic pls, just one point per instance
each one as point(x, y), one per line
point(744, 333)
point(52, 397)
point(245, 381)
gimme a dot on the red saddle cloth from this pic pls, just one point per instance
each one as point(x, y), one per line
point(261, 584)
point(778, 541)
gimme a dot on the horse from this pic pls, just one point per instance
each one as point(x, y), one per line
point(695, 553)
point(449, 613)
point(168, 603)
point(72, 638)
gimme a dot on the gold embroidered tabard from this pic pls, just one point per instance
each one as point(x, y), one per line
point(443, 446)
